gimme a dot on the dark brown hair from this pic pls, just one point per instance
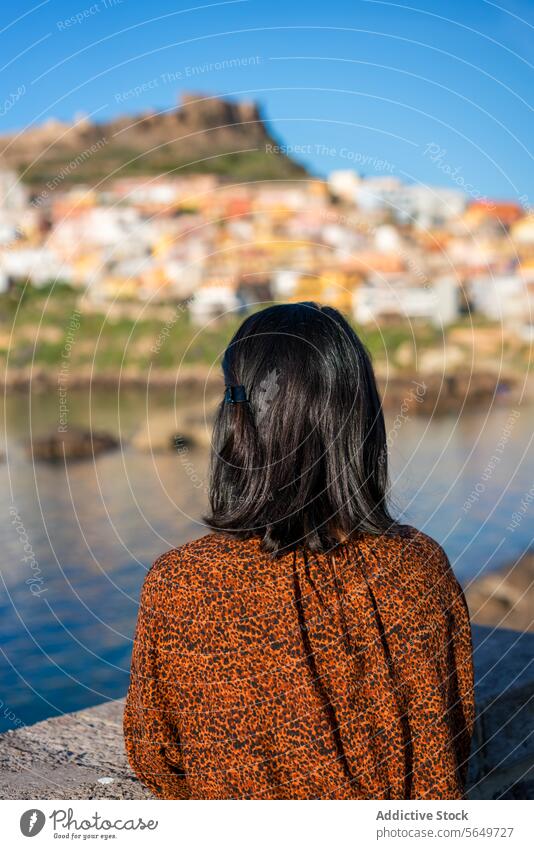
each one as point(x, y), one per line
point(304, 461)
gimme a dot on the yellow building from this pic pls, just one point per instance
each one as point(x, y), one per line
point(334, 287)
point(116, 286)
point(522, 233)
point(85, 265)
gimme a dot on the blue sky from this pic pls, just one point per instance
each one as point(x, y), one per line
point(433, 92)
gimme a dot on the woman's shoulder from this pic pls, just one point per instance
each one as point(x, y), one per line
point(199, 560)
point(415, 541)
point(408, 554)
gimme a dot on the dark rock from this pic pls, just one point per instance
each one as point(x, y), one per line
point(73, 444)
point(504, 598)
point(437, 394)
point(502, 753)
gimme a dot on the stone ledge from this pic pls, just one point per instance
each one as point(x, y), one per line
point(81, 755)
point(76, 756)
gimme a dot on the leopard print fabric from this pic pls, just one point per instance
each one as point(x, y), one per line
point(341, 676)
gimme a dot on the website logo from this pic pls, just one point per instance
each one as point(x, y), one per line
point(32, 822)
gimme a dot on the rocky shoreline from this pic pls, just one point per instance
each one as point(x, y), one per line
point(195, 392)
point(434, 393)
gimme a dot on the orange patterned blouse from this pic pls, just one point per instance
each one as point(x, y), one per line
point(341, 676)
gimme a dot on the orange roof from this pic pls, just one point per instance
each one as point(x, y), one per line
point(373, 261)
point(505, 211)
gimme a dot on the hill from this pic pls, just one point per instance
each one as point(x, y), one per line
point(203, 134)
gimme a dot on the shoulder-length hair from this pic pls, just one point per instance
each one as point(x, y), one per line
point(303, 462)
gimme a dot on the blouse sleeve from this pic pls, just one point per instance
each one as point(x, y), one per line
point(462, 685)
point(151, 740)
point(441, 708)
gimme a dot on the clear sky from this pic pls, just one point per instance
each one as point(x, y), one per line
point(434, 92)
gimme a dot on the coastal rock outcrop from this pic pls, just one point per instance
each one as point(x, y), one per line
point(73, 444)
point(504, 598)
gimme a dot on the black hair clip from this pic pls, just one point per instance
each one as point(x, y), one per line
point(235, 395)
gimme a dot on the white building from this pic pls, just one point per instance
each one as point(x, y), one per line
point(447, 295)
point(102, 227)
point(284, 283)
point(425, 206)
point(13, 194)
point(4, 281)
point(213, 301)
point(184, 277)
point(344, 184)
point(38, 265)
point(502, 297)
point(400, 298)
point(387, 239)
point(377, 300)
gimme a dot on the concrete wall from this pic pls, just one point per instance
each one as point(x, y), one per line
point(81, 755)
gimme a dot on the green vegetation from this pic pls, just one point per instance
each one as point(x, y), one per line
point(46, 326)
point(385, 341)
point(41, 327)
point(126, 162)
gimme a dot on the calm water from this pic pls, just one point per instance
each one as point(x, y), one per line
point(94, 528)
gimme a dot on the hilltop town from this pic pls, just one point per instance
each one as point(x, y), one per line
point(411, 264)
